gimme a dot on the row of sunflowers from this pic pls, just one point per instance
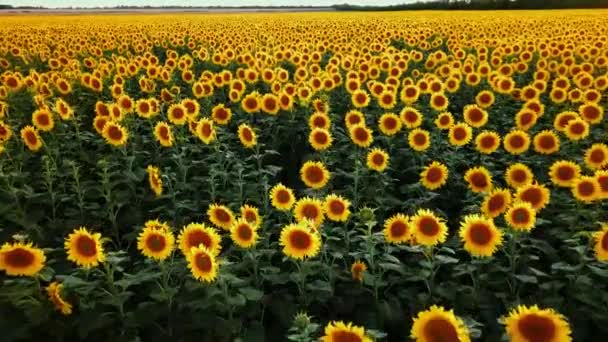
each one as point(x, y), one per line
point(392, 176)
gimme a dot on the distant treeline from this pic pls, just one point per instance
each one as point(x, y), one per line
point(480, 5)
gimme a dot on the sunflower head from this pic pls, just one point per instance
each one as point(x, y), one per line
point(480, 236)
point(202, 264)
point(600, 246)
point(427, 228)
point(84, 248)
point(314, 174)
point(397, 229)
point(156, 241)
point(21, 259)
point(198, 234)
point(534, 324)
point(357, 270)
point(309, 210)
point(434, 175)
point(438, 324)
point(479, 179)
point(54, 293)
point(221, 216)
point(243, 233)
point(300, 241)
point(336, 208)
point(521, 216)
point(377, 159)
point(339, 331)
point(282, 197)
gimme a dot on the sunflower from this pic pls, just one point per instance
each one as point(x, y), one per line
point(309, 209)
point(480, 236)
point(361, 135)
point(546, 142)
point(154, 180)
point(601, 176)
point(525, 119)
point(54, 293)
point(163, 134)
point(496, 202)
point(409, 94)
point(5, 132)
point(427, 228)
point(487, 142)
point(43, 120)
point(577, 129)
point(117, 114)
point(281, 197)
point(84, 248)
point(479, 179)
point(389, 124)
point(100, 122)
point(562, 119)
point(320, 139)
point(397, 229)
point(196, 234)
point(533, 324)
point(585, 189)
point(475, 116)
point(314, 174)
point(377, 160)
point(439, 102)
point(434, 175)
point(564, 172)
point(521, 216)
point(360, 98)
point(536, 194)
point(516, 142)
point(251, 215)
point(115, 134)
point(21, 259)
point(64, 110)
point(518, 175)
point(221, 115)
point(354, 117)
point(438, 324)
point(596, 156)
point(460, 134)
point(336, 208)
point(444, 121)
point(387, 99)
point(485, 99)
point(593, 113)
point(419, 139)
point(202, 264)
point(156, 242)
point(247, 135)
point(243, 233)
point(357, 269)
point(251, 103)
point(177, 114)
point(299, 241)
point(601, 243)
point(205, 131)
point(221, 216)
point(340, 332)
point(319, 120)
point(411, 117)
point(125, 103)
point(30, 137)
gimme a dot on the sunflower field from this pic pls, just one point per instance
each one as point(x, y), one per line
point(336, 177)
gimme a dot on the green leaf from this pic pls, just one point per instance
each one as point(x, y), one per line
point(526, 278)
point(251, 294)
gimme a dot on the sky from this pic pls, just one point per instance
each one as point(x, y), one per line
point(110, 3)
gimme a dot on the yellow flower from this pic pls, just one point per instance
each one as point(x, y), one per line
point(309, 209)
point(155, 180)
point(419, 139)
point(361, 135)
point(585, 189)
point(43, 120)
point(281, 197)
point(221, 216)
point(221, 115)
point(536, 194)
point(84, 248)
point(438, 324)
point(196, 234)
point(163, 134)
point(299, 241)
point(314, 174)
point(357, 269)
point(243, 233)
point(202, 264)
point(397, 229)
point(340, 332)
point(251, 215)
point(320, 139)
point(21, 259)
point(600, 246)
point(487, 142)
point(496, 202)
point(518, 175)
point(389, 123)
point(526, 324)
point(516, 142)
point(377, 159)
point(596, 156)
point(411, 117)
point(177, 114)
point(54, 293)
point(480, 236)
point(434, 175)
point(30, 137)
point(156, 242)
point(479, 179)
point(521, 216)
point(336, 208)
point(427, 228)
point(546, 142)
point(247, 136)
point(115, 134)
point(460, 134)
point(564, 172)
